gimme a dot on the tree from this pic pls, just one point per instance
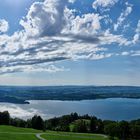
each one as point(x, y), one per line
point(135, 131)
point(80, 126)
point(38, 123)
point(74, 116)
point(18, 122)
point(100, 126)
point(93, 124)
point(124, 130)
point(112, 130)
point(29, 123)
point(52, 123)
point(4, 118)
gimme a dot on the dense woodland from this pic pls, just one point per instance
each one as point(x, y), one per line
point(123, 130)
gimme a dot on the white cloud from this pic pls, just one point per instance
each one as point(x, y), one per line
point(138, 27)
point(72, 1)
point(51, 68)
point(125, 53)
point(4, 26)
point(52, 18)
point(109, 38)
point(122, 17)
point(136, 37)
point(104, 3)
point(131, 53)
point(46, 38)
point(87, 24)
point(135, 53)
point(52, 33)
point(45, 18)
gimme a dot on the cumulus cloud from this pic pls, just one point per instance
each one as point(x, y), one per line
point(104, 3)
point(45, 18)
point(52, 33)
point(45, 39)
point(87, 24)
point(4, 26)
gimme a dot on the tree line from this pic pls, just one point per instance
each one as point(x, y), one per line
point(123, 130)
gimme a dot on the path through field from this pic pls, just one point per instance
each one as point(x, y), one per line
point(39, 136)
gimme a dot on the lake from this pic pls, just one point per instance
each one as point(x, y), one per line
point(112, 108)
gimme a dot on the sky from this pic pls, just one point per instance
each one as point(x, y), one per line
point(69, 42)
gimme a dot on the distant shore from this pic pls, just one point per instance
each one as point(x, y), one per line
point(21, 94)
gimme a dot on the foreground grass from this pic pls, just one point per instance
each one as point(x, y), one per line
point(17, 137)
point(72, 136)
point(14, 133)
point(4, 128)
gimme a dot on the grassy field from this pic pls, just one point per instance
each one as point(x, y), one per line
point(72, 136)
point(17, 137)
point(13, 133)
point(16, 129)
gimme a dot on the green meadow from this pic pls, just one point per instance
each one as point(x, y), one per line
point(73, 136)
point(14, 133)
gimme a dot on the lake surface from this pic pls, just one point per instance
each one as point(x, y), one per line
point(112, 109)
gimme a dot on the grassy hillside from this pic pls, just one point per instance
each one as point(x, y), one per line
point(14, 133)
point(75, 123)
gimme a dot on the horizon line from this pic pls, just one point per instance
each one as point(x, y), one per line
point(69, 85)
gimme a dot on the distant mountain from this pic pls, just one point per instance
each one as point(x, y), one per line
point(20, 94)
